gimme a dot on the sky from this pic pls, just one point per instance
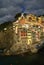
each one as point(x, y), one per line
point(9, 8)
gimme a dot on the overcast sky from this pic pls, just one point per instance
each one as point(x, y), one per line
point(9, 8)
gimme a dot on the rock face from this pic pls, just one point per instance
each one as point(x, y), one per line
point(24, 35)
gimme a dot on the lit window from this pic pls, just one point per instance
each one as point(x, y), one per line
point(5, 28)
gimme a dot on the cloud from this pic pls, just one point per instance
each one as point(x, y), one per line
point(9, 8)
point(34, 4)
point(10, 12)
point(7, 3)
point(6, 18)
point(36, 12)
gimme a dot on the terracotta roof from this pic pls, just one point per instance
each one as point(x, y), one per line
point(22, 21)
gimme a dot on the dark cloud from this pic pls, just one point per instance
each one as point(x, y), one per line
point(6, 18)
point(7, 14)
point(9, 8)
point(36, 12)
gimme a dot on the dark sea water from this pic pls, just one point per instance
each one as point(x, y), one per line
point(26, 59)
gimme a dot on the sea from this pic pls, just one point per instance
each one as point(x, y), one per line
point(24, 59)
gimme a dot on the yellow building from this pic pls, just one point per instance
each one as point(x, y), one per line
point(25, 30)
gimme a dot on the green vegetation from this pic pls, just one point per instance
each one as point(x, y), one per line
point(5, 25)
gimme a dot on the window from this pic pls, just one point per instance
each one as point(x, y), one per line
point(23, 33)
